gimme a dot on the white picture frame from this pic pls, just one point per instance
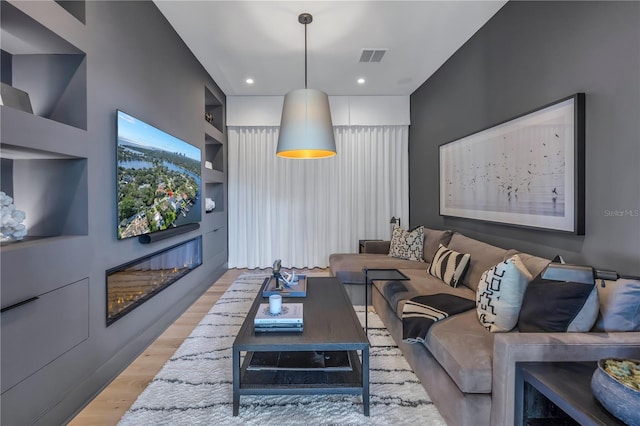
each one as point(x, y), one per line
point(527, 171)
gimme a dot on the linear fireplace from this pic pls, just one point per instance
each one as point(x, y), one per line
point(132, 284)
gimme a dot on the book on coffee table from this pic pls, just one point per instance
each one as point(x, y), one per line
point(279, 328)
point(291, 314)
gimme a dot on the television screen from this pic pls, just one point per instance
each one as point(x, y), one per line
point(158, 182)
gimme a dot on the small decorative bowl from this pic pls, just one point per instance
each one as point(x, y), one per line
point(619, 398)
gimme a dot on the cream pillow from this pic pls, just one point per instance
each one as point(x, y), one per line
point(500, 293)
point(407, 244)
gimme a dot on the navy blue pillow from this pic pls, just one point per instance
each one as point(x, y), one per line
point(558, 306)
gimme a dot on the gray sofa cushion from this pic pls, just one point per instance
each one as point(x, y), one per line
point(420, 283)
point(465, 350)
point(432, 240)
point(534, 264)
point(460, 344)
point(483, 257)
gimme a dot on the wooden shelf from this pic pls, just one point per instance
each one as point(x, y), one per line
point(213, 133)
point(214, 153)
point(216, 191)
point(214, 176)
point(43, 27)
point(30, 131)
point(214, 109)
point(45, 59)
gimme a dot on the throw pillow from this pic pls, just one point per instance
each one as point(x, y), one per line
point(407, 244)
point(619, 305)
point(499, 295)
point(558, 306)
point(449, 265)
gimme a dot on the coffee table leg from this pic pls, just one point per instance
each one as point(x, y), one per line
point(236, 381)
point(365, 380)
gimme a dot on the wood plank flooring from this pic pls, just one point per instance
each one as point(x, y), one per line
point(110, 405)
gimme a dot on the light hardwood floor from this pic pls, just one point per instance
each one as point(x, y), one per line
point(109, 406)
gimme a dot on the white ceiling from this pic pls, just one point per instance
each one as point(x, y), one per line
point(263, 40)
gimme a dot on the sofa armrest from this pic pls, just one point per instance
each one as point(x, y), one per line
point(377, 247)
point(510, 348)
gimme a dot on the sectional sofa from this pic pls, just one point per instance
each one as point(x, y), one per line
point(468, 371)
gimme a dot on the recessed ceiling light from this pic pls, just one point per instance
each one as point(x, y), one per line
point(361, 81)
point(249, 81)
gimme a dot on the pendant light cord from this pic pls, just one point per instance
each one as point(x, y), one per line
point(306, 19)
point(305, 55)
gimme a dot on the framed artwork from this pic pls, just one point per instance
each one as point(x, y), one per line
point(527, 171)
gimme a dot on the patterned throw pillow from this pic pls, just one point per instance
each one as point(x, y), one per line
point(407, 245)
point(449, 265)
point(499, 295)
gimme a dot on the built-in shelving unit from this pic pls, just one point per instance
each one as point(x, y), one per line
point(43, 55)
point(66, 67)
point(44, 157)
point(215, 152)
point(46, 59)
point(215, 233)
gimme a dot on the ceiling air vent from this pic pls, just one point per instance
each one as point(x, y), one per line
point(372, 55)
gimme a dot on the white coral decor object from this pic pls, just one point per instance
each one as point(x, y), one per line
point(11, 224)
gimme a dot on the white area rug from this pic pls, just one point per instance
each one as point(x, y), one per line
point(195, 386)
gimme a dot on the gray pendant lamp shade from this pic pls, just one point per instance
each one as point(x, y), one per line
point(306, 130)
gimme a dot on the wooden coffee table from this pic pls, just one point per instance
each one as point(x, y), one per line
point(330, 324)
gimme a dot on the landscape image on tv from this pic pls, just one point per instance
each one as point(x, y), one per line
point(158, 179)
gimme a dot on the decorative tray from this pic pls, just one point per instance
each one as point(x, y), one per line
point(297, 290)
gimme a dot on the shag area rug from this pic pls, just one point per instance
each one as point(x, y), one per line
point(195, 386)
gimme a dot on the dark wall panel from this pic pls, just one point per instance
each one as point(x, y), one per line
point(528, 55)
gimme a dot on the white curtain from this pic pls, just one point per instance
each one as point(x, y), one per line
point(301, 211)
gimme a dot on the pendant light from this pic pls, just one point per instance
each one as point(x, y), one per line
point(306, 130)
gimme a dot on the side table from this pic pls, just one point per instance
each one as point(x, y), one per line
point(366, 278)
point(352, 280)
point(558, 393)
point(361, 244)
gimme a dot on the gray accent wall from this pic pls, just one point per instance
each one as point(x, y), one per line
point(529, 55)
point(137, 63)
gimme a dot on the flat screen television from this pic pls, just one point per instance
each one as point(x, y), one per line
point(158, 179)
